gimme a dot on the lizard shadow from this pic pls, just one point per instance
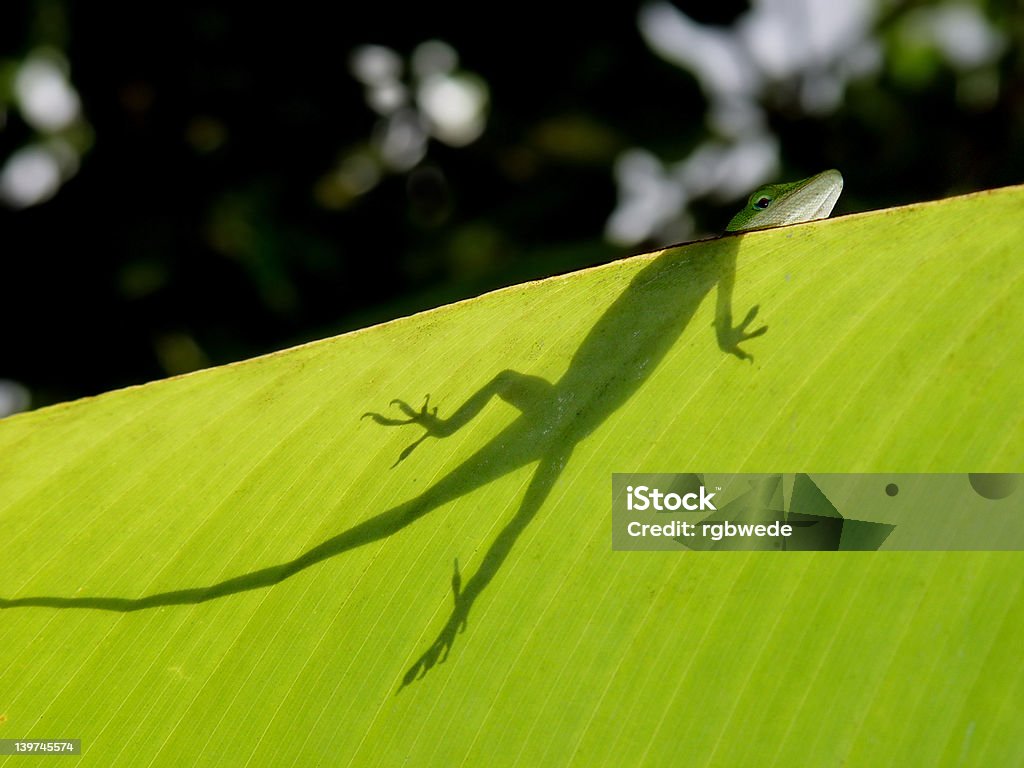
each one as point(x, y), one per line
point(618, 354)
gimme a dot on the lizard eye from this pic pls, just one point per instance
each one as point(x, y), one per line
point(762, 202)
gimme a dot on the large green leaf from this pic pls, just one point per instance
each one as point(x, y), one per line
point(230, 568)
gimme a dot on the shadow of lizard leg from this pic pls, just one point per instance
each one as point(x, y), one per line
point(525, 392)
point(544, 477)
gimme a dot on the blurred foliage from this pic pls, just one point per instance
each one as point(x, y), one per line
point(232, 169)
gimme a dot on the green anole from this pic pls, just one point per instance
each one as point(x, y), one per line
point(776, 205)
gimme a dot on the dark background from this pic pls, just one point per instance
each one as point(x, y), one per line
point(202, 225)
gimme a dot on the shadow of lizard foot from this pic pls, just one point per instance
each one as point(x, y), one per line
point(438, 651)
point(424, 417)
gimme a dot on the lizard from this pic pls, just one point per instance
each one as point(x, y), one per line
point(650, 313)
point(795, 202)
